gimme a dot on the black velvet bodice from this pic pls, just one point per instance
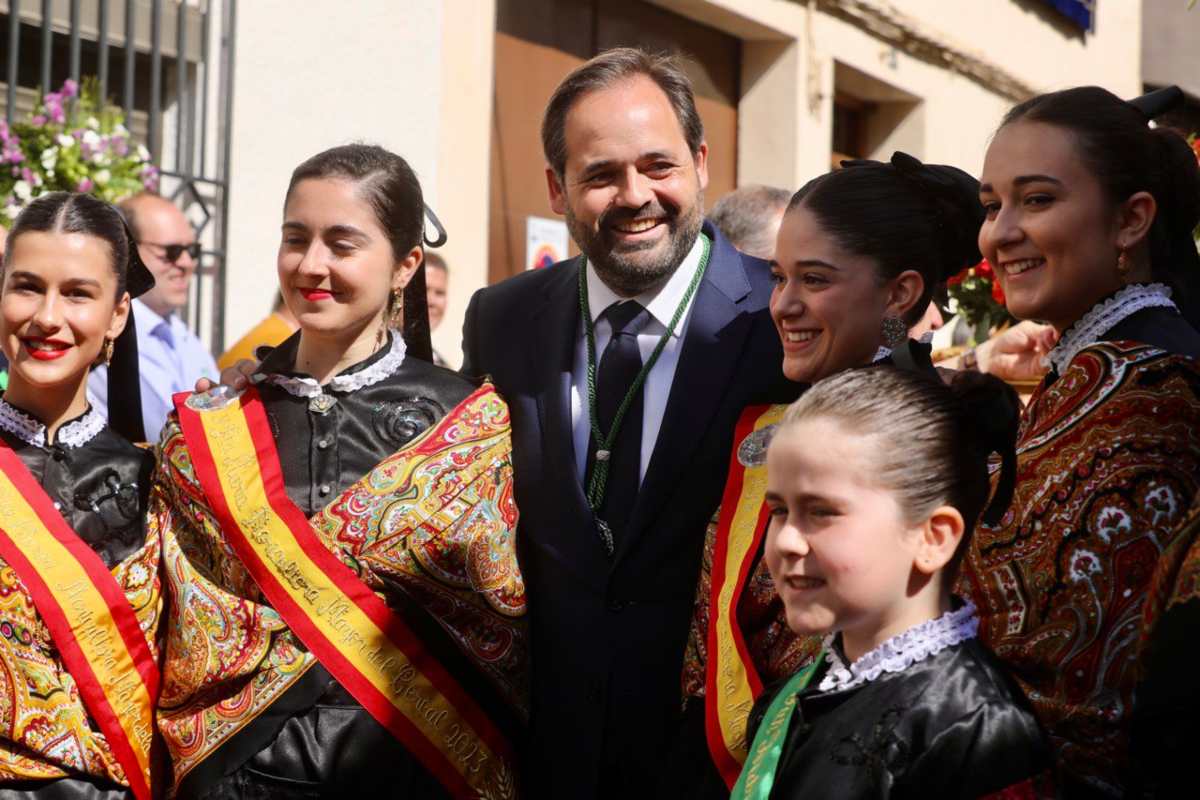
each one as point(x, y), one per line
point(327, 745)
point(950, 726)
point(100, 488)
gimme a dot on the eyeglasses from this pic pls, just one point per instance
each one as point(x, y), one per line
point(172, 252)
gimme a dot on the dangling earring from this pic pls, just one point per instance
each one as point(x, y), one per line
point(894, 332)
point(396, 314)
point(1123, 265)
point(108, 351)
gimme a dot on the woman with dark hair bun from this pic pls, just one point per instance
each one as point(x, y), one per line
point(858, 256)
point(347, 614)
point(80, 597)
point(1088, 587)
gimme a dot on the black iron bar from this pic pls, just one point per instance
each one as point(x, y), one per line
point(14, 63)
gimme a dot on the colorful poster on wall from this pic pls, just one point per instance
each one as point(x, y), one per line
point(545, 242)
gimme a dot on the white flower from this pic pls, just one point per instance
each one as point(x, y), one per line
point(952, 306)
point(121, 129)
point(64, 141)
point(23, 191)
point(91, 138)
point(102, 177)
point(49, 159)
point(92, 122)
point(143, 153)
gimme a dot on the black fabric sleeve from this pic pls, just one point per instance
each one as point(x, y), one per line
point(470, 365)
point(994, 747)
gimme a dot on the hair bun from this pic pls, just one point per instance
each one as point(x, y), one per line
point(990, 417)
point(954, 195)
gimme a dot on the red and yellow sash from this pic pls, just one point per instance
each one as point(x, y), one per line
point(731, 681)
point(363, 644)
point(89, 618)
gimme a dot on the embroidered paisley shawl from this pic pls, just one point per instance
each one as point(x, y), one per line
point(45, 730)
point(1095, 546)
point(431, 527)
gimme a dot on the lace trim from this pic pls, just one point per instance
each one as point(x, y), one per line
point(881, 354)
point(1104, 316)
point(381, 369)
point(901, 651)
point(76, 433)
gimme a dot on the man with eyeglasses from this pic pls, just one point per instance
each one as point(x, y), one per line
point(170, 357)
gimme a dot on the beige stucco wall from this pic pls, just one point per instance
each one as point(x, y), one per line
point(1171, 44)
point(310, 76)
point(791, 52)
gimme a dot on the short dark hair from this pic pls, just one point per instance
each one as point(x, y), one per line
point(903, 215)
point(742, 215)
point(933, 441)
point(69, 212)
point(1126, 156)
point(605, 70)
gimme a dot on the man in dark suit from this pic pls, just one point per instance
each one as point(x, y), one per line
point(682, 342)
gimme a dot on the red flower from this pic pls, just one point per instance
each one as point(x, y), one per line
point(997, 292)
point(955, 280)
point(984, 270)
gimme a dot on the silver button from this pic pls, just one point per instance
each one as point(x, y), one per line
point(323, 443)
point(324, 490)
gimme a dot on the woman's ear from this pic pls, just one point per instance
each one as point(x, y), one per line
point(938, 540)
point(406, 268)
point(120, 318)
point(1134, 218)
point(903, 292)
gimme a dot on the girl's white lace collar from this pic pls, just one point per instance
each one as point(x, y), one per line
point(76, 433)
point(1104, 316)
point(901, 651)
point(346, 382)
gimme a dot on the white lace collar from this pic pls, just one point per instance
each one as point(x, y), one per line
point(75, 433)
point(901, 651)
point(1104, 316)
point(346, 382)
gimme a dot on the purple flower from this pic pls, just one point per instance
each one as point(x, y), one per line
point(85, 185)
point(70, 88)
point(38, 119)
point(27, 175)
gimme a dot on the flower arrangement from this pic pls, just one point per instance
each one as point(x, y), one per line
point(976, 296)
point(74, 142)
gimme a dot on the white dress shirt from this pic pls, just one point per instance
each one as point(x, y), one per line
point(170, 359)
point(661, 303)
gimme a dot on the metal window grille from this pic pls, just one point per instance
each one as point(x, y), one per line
point(169, 64)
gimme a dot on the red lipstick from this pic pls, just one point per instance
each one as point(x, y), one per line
point(52, 348)
point(313, 295)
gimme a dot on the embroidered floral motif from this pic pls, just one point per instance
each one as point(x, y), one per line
point(1104, 316)
point(900, 651)
point(76, 433)
point(1101, 540)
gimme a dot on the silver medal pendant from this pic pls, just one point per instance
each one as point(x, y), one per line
point(321, 403)
point(752, 452)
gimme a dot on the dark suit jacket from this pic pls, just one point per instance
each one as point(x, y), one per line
point(608, 634)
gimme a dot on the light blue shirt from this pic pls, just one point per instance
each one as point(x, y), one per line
point(170, 359)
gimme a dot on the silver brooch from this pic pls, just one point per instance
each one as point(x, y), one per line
point(321, 403)
point(752, 452)
point(214, 399)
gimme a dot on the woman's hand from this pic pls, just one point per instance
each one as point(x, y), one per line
point(237, 376)
point(1017, 353)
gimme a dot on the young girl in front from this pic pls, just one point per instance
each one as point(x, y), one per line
point(876, 478)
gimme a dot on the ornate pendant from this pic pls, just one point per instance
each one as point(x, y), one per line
point(752, 452)
point(321, 403)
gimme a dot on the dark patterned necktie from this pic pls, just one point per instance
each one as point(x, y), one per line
point(619, 367)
